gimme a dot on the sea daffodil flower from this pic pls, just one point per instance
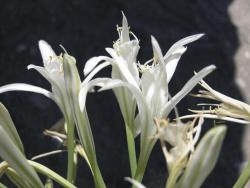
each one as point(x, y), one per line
point(62, 74)
point(181, 138)
point(227, 109)
point(150, 91)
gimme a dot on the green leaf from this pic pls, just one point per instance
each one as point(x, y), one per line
point(16, 179)
point(2, 185)
point(51, 174)
point(204, 158)
point(244, 177)
point(3, 167)
point(11, 153)
point(8, 125)
point(73, 86)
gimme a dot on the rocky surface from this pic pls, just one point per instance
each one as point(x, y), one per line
point(85, 28)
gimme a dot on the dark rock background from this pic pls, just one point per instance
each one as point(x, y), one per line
point(85, 28)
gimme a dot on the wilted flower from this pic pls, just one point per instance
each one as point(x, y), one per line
point(228, 109)
point(181, 137)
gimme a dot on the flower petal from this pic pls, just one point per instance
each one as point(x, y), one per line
point(135, 183)
point(213, 116)
point(174, 54)
point(125, 29)
point(182, 43)
point(26, 87)
point(85, 88)
point(95, 71)
point(92, 62)
point(186, 89)
point(46, 50)
point(123, 67)
point(172, 61)
point(56, 81)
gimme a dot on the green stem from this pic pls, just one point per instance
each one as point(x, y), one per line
point(146, 149)
point(142, 163)
point(72, 162)
point(131, 150)
point(51, 174)
point(98, 179)
point(172, 178)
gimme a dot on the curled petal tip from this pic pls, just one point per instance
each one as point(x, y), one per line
point(29, 67)
point(212, 67)
point(46, 50)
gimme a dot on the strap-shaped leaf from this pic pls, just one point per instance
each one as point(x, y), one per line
point(51, 174)
point(2, 185)
point(8, 125)
point(17, 180)
point(204, 158)
point(244, 177)
point(3, 167)
point(10, 153)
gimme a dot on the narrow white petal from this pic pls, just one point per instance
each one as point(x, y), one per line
point(25, 87)
point(125, 29)
point(226, 99)
point(172, 61)
point(56, 81)
point(85, 88)
point(46, 50)
point(213, 116)
point(92, 62)
point(174, 54)
point(182, 43)
point(95, 71)
point(123, 67)
point(157, 50)
point(186, 89)
point(135, 183)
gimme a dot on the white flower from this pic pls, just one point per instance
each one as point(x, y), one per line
point(61, 72)
point(182, 137)
point(150, 91)
point(52, 71)
point(228, 109)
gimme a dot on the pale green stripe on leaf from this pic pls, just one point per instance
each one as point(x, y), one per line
point(3, 167)
point(17, 180)
point(8, 125)
point(204, 158)
point(10, 153)
point(51, 174)
point(244, 177)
